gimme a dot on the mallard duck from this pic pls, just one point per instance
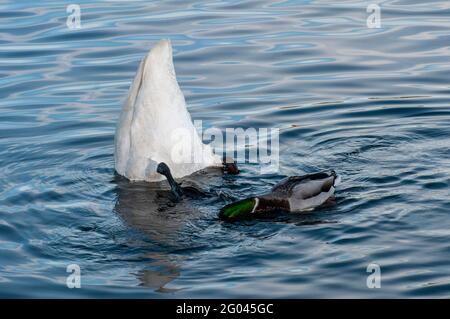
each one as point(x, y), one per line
point(155, 125)
point(293, 194)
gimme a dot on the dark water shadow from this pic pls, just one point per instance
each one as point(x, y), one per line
point(148, 208)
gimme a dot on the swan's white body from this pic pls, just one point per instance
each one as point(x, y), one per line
point(155, 126)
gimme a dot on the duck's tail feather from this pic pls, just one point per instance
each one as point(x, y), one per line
point(337, 178)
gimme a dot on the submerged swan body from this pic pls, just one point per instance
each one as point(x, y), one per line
point(155, 125)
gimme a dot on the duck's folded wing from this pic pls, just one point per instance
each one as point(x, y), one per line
point(311, 183)
point(312, 192)
point(313, 187)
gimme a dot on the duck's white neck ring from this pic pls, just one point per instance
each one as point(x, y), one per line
point(256, 205)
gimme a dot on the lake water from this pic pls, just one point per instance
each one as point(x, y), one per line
point(371, 103)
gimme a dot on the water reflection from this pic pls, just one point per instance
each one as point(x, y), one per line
point(148, 208)
point(159, 273)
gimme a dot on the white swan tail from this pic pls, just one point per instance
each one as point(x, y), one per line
point(155, 125)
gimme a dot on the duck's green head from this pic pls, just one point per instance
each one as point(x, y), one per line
point(238, 210)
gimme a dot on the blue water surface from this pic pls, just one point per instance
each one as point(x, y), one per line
point(372, 103)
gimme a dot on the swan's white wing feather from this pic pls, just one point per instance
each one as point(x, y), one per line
point(122, 137)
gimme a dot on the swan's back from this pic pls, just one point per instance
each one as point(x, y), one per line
point(155, 125)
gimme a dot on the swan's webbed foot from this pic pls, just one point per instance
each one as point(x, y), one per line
point(230, 166)
point(175, 189)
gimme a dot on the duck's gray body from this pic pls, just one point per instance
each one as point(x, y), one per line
point(300, 193)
